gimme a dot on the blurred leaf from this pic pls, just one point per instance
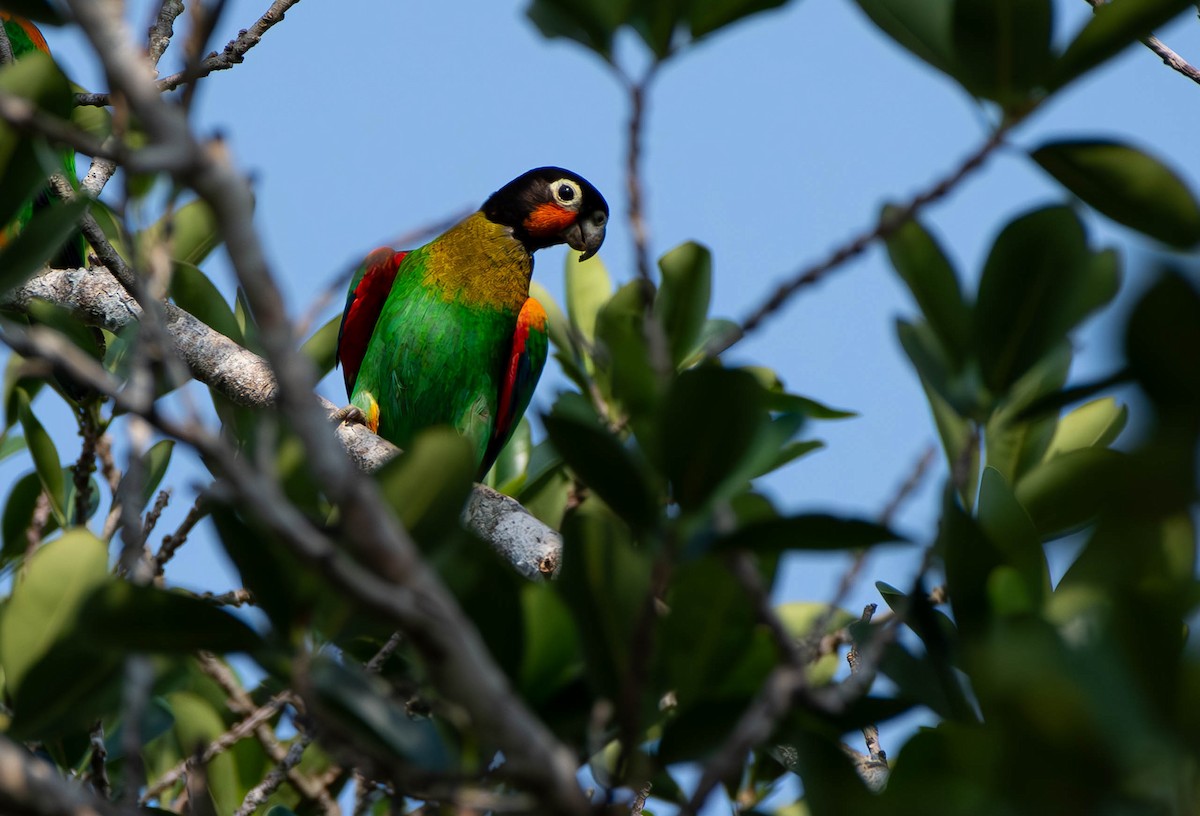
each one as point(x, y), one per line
point(508, 473)
point(589, 22)
point(45, 457)
point(709, 423)
point(683, 297)
point(1113, 27)
point(10, 445)
point(1002, 48)
point(128, 618)
point(715, 328)
point(556, 321)
point(623, 357)
point(552, 655)
point(1014, 445)
point(428, 485)
point(924, 267)
point(1165, 322)
point(38, 241)
point(1010, 528)
point(1069, 490)
point(193, 292)
point(18, 514)
point(37, 79)
point(361, 706)
point(603, 462)
point(197, 723)
point(706, 16)
point(960, 392)
point(1128, 186)
point(1095, 424)
point(812, 531)
point(709, 627)
point(44, 603)
point(698, 732)
point(922, 27)
point(66, 323)
point(588, 288)
point(154, 468)
point(39, 11)
point(321, 347)
point(1038, 283)
point(606, 585)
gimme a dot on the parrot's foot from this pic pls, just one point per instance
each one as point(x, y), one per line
point(351, 414)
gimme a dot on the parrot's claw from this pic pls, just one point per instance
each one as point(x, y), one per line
point(351, 414)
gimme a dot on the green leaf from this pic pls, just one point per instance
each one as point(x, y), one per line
point(588, 288)
point(45, 457)
point(1113, 27)
point(921, 26)
point(683, 297)
point(624, 370)
point(1015, 445)
point(194, 233)
point(197, 723)
point(18, 514)
point(1067, 491)
point(38, 11)
point(929, 275)
point(154, 467)
point(1127, 185)
point(1095, 424)
point(603, 462)
point(429, 484)
point(37, 79)
point(606, 585)
point(1010, 528)
point(709, 422)
point(1038, 283)
point(592, 23)
point(810, 531)
point(552, 655)
point(1165, 323)
point(508, 473)
point(321, 348)
point(706, 16)
point(1002, 47)
point(193, 292)
point(362, 704)
point(708, 629)
point(45, 602)
point(125, 617)
point(39, 241)
point(10, 445)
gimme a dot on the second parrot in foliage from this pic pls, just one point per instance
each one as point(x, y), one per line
point(447, 334)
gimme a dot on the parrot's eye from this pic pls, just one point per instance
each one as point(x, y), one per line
point(566, 193)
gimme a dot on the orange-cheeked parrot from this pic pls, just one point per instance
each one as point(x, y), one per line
point(447, 334)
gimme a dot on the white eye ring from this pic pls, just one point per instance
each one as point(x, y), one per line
point(566, 193)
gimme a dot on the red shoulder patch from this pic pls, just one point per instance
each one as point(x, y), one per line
point(364, 302)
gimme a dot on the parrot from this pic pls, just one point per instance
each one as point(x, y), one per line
point(25, 39)
point(447, 334)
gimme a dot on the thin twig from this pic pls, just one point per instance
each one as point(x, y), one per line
point(171, 543)
point(220, 745)
point(884, 228)
point(159, 35)
point(910, 485)
point(160, 504)
point(98, 766)
point(260, 793)
point(233, 53)
point(1169, 57)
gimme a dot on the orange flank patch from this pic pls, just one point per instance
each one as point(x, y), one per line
point(532, 316)
point(35, 36)
point(373, 415)
point(549, 219)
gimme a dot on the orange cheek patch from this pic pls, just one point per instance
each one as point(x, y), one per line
point(548, 219)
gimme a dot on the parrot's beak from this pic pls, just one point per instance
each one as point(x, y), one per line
point(587, 233)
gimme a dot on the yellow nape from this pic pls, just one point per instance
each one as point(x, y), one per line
point(479, 263)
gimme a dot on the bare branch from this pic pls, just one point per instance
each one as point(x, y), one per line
point(1169, 57)
point(233, 53)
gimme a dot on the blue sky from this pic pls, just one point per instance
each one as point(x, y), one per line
point(772, 143)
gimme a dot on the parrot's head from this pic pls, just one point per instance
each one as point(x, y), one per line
point(549, 206)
